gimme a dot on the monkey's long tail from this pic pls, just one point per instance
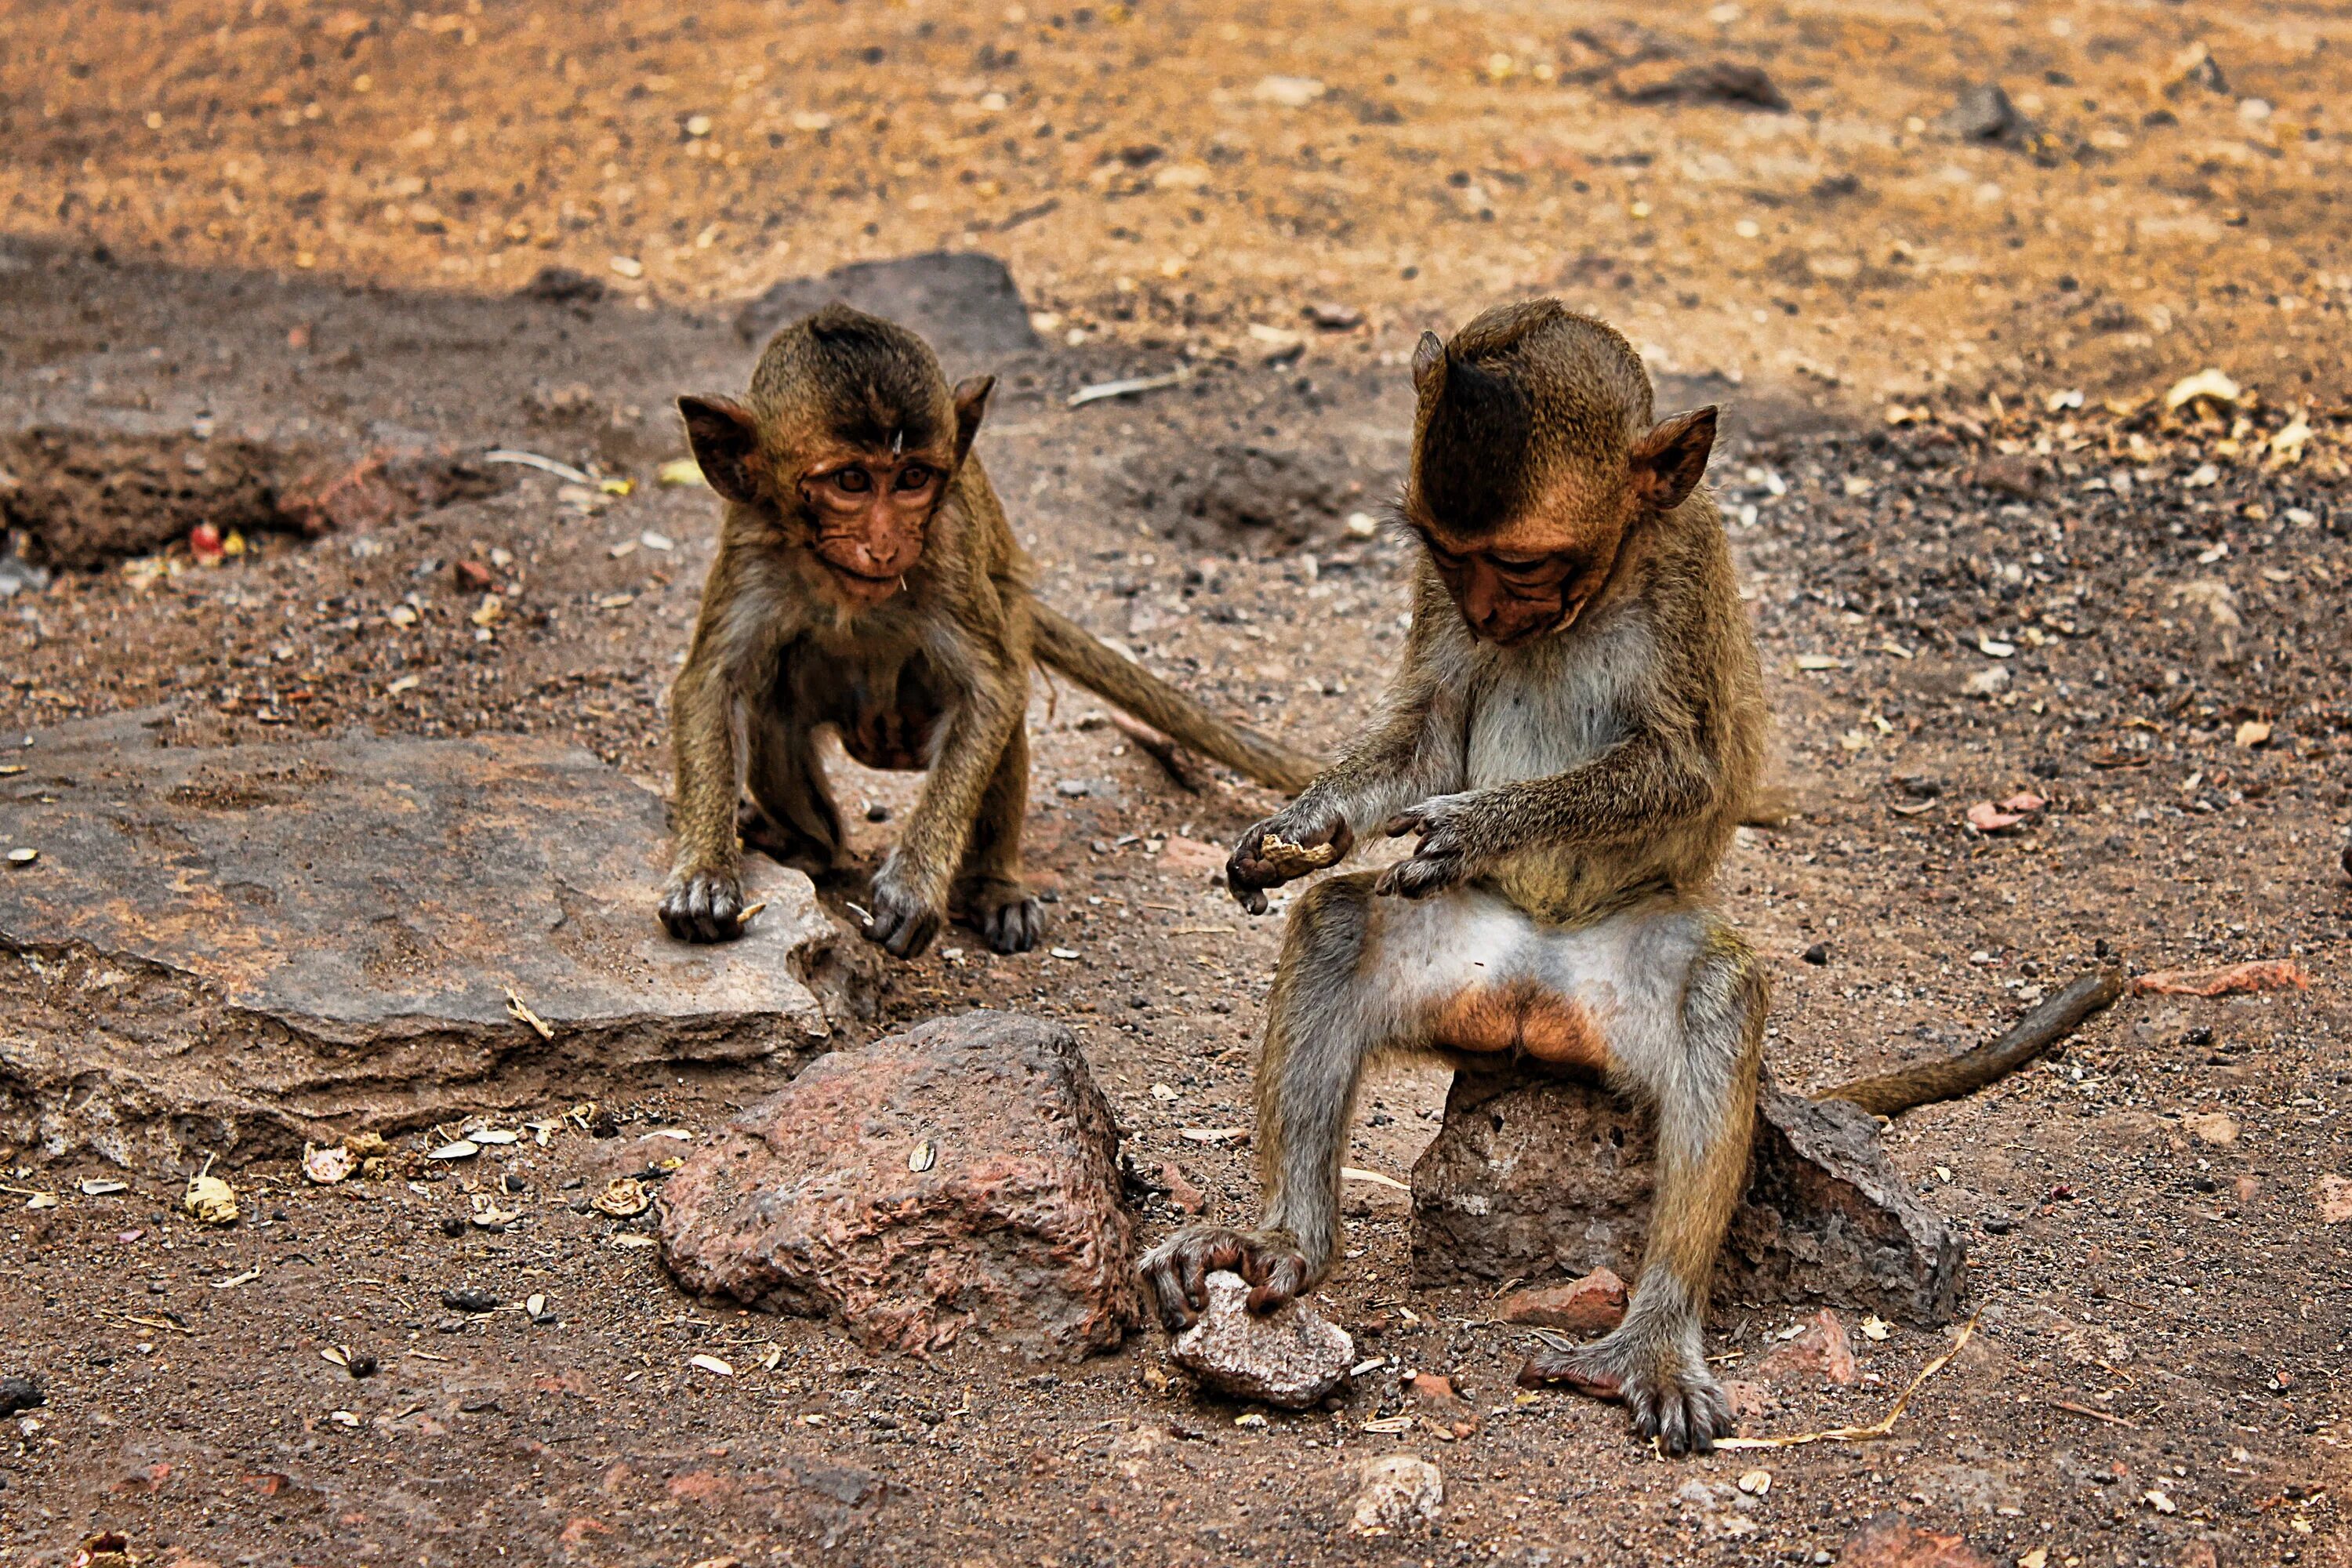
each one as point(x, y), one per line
point(1892, 1094)
point(1067, 647)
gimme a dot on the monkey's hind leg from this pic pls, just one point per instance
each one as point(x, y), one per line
point(988, 892)
point(791, 815)
point(1329, 1012)
point(1695, 1059)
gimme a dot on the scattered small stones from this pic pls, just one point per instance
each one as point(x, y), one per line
point(625, 1197)
point(1983, 114)
point(1394, 1493)
point(1592, 1304)
point(469, 1299)
point(1291, 1356)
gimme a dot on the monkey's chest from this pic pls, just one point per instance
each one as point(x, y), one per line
point(887, 715)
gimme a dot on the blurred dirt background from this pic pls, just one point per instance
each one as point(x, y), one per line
point(1989, 556)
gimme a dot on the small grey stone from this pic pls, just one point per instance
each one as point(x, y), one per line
point(1393, 1492)
point(1291, 1356)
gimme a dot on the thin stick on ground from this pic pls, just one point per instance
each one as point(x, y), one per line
point(1883, 1426)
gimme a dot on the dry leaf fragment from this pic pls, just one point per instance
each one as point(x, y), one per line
point(1756, 1483)
point(2254, 732)
point(622, 1198)
point(327, 1165)
point(211, 1200)
point(461, 1148)
point(98, 1187)
point(922, 1157)
point(518, 1009)
point(2206, 383)
point(2231, 980)
point(711, 1364)
point(23, 855)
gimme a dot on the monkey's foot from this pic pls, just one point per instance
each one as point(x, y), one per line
point(1176, 1272)
point(1673, 1396)
point(786, 845)
point(903, 921)
point(705, 906)
point(1004, 915)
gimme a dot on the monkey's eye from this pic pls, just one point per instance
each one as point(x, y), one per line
point(914, 477)
point(856, 480)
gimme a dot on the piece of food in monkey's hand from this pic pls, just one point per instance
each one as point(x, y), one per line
point(1292, 859)
point(743, 917)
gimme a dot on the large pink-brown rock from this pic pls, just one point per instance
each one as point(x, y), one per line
point(962, 1177)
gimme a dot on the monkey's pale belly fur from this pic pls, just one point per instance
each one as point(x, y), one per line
point(1471, 972)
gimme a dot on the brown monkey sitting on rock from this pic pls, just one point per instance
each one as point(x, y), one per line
point(1577, 723)
point(866, 579)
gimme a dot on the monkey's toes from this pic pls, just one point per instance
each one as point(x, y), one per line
point(1686, 1414)
point(1013, 926)
point(1554, 1366)
point(704, 908)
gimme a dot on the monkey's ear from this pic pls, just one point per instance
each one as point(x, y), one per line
point(725, 440)
point(971, 407)
point(1668, 462)
point(1428, 366)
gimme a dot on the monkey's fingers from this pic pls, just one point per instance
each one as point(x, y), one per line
point(703, 908)
point(1277, 1276)
point(1421, 876)
point(1554, 1365)
point(1405, 822)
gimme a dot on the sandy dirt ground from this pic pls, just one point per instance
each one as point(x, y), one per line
point(306, 226)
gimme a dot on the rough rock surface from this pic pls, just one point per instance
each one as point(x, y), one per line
point(963, 1176)
point(1823, 1351)
point(1291, 1356)
point(1534, 1177)
point(1393, 1492)
point(241, 950)
point(1593, 1304)
point(964, 303)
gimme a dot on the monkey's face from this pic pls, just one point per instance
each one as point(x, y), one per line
point(1529, 579)
point(872, 513)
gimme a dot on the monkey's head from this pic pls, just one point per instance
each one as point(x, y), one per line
point(1534, 463)
point(849, 437)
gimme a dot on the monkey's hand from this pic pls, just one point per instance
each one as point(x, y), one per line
point(1290, 844)
point(703, 906)
point(1448, 851)
point(904, 920)
point(1176, 1272)
point(1663, 1382)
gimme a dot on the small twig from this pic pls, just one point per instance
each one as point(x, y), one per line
point(743, 916)
point(520, 1011)
point(1132, 387)
point(2108, 1416)
point(544, 465)
point(1882, 1427)
point(1161, 750)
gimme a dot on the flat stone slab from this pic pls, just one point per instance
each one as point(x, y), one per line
point(1537, 1179)
point(239, 949)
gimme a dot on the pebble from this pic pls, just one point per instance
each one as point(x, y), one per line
point(1393, 1492)
point(1591, 1305)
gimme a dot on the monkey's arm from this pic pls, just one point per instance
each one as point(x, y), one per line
point(1412, 748)
point(990, 674)
point(1649, 781)
point(704, 896)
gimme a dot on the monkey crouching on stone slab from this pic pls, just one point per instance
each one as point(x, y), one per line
point(1576, 724)
point(866, 579)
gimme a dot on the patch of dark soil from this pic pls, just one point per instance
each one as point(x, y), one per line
point(1247, 497)
point(77, 498)
point(964, 302)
